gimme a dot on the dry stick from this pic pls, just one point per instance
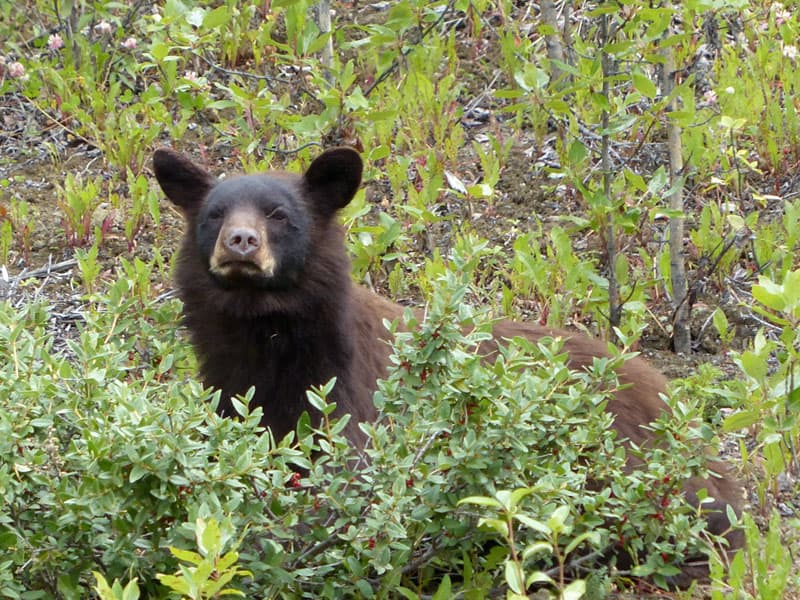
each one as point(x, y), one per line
point(681, 334)
point(59, 267)
point(216, 67)
point(58, 123)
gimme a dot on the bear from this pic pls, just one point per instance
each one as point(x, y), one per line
point(269, 302)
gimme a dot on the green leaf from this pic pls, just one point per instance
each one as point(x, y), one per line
point(577, 153)
point(531, 77)
point(226, 561)
point(575, 590)
point(754, 365)
point(176, 584)
point(533, 524)
point(102, 587)
point(497, 525)
point(209, 537)
point(504, 498)
point(480, 501)
point(365, 589)
point(217, 18)
point(591, 536)
point(741, 420)
point(515, 578)
point(517, 496)
point(186, 555)
point(557, 520)
point(539, 577)
point(644, 85)
point(658, 181)
point(159, 51)
point(736, 222)
point(720, 322)
point(137, 472)
point(131, 591)
point(406, 593)
point(537, 548)
point(444, 590)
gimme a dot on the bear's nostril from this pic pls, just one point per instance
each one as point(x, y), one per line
point(242, 241)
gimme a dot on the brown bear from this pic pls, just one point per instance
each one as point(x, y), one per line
point(269, 302)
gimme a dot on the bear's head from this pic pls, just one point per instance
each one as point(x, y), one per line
point(255, 233)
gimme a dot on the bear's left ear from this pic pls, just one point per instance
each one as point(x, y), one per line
point(333, 179)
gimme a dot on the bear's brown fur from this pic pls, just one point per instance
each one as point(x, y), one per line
point(269, 301)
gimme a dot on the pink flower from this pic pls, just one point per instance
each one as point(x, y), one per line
point(15, 69)
point(130, 43)
point(103, 27)
point(782, 16)
point(54, 42)
point(710, 96)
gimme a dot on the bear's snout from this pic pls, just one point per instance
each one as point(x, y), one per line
point(242, 251)
point(243, 241)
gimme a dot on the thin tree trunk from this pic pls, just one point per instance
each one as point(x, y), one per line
point(552, 40)
point(681, 334)
point(324, 23)
point(614, 306)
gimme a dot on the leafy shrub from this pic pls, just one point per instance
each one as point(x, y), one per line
point(110, 456)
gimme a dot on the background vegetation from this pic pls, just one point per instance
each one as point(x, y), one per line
point(533, 160)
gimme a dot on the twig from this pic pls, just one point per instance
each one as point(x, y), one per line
point(59, 267)
point(424, 448)
point(423, 558)
point(487, 90)
point(290, 152)
point(216, 67)
point(316, 549)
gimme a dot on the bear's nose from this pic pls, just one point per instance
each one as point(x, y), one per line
point(242, 240)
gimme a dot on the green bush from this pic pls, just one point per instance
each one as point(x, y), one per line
point(111, 454)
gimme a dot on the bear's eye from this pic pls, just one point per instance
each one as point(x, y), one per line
point(277, 215)
point(216, 213)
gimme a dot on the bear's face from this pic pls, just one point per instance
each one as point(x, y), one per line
point(254, 232)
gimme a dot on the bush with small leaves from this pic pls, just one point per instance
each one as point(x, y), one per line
point(109, 457)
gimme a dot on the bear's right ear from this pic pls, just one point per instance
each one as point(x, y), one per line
point(333, 179)
point(185, 183)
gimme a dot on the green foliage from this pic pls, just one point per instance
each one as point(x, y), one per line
point(116, 591)
point(211, 571)
point(507, 505)
point(78, 201)
point(773, 394)
point(6, 239)
point(113, 463)
point(762, 569)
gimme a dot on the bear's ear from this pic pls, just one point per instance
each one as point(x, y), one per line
point(333, 179)
point(185, 183)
